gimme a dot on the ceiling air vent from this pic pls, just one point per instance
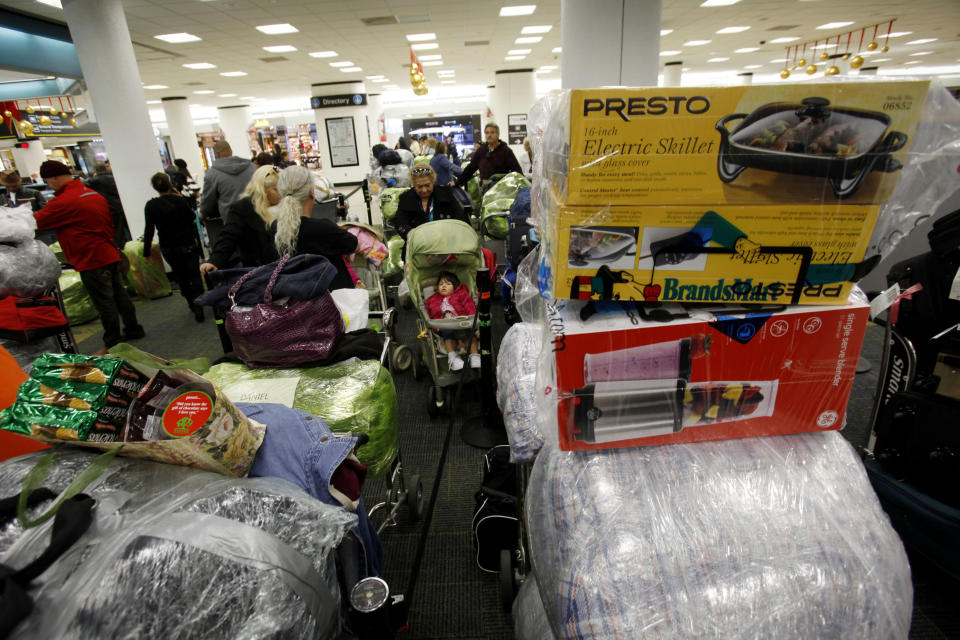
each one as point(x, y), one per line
point(194, 84)
point(419, 17)
point(379, 21)
point(784, 27)
point(476, 43)
point(274, 59)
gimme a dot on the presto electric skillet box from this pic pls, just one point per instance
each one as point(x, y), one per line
point(758, 144)
point(628, 375)
point(755, 254)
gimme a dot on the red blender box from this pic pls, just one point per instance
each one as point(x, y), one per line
point(629, 375)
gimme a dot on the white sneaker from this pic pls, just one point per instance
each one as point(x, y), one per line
point(474, 360)
point(454, 361)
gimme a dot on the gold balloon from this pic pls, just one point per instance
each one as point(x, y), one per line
point(884, 49)
point(856, 62)
point(29, 109)
point(73, 122)
point(26, 127)
point(418, 79)
point(801, 62)
point(811, 69)
point(824, 56)
point(793, 68)
point(420, 90)
point(63, 114)
point(44, 120)
point(846, 56)
point(8, 114)
point(872, 46)
point(785, 74)
point(832, 70)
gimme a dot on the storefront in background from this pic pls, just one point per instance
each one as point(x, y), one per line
point(463, 129)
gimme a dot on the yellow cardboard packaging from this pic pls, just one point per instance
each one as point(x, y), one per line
point(774, 254)
point(760, 144)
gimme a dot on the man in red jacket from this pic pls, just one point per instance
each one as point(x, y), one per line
point(81, 218)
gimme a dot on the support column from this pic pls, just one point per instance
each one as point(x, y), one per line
point(29, 159)
point(374, 113)
point(183, 136)
point(745, 78)
point(610, 43)
point(343, 148)
point(672, 73)
point(514, 94)
point(235, 122)
point(100, 34)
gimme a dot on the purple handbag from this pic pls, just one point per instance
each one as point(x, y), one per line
point(289, 335)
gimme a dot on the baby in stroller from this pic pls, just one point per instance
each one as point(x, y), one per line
point(452, 300)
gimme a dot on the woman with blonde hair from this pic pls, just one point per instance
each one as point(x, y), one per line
point(246, 229)
point(296, 232)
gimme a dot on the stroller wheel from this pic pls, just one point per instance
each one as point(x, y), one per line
point(435, 401)
point(415, 498)
point(402, 358)
point(508, 586)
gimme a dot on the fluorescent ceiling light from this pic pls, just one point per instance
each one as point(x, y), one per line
point(518, 10)
point(432, 63)
point(323, 54)
point(556, 50)
point(783, 40)
point(342, 63)
point(544, 71)
point(203, 92)
point(718, 3)
point(389, 86)
point(670, 53)
point(200, 65)
point(665, 32)
point(177, 37)
point(373, 77)
point(696, 43)
point(155, 86)
point(825, 45)
point(897, 34)
point(518, 52)
point(52, 3)
point(351, 69)
point(753, 66)
point(280, 48)
point(432, 56)
point(779, 61)
point(717, 59)
point(545, 28)
point(528, 40)
point(248, 98)
point(378, 80)
point(921, 53)
point(274, 29)
point(445, 72)
point(835, 25)
point(233, 74)
point(227, 95)
point(514, 57)
point(883, 60)
point(424, 45)
point(448, 82)
point(922, 41)
point(912, 62)
point(733, 29)
point(747, 50)
point(154, 101)
point(549, 67)
point(421, 37)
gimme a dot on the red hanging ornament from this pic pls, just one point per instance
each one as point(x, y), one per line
point(873, 43)
point(886, 45)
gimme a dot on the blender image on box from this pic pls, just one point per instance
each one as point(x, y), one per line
point(646, 391)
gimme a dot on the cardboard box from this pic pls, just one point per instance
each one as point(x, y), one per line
point(758, 144)
point(626, 380)
point(783, 254)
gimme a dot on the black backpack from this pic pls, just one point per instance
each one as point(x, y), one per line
point(496, 515)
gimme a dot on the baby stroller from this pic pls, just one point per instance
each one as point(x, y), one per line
point(367, 262)
point(442, 245)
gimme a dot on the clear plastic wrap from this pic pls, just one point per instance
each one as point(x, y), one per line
point(529, 617)
point(516, 389)
point(17, 224)
point(177, 553)
point(777, 537)
point(353, 397)
point(526, 293)
point(77, 303)
point(147, 276)
point(27, 268)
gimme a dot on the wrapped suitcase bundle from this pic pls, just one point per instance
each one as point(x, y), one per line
point(761, 537)
point(178, 553)
point(516, 383)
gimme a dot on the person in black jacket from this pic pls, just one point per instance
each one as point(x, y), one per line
point(103, 183)
point(425, 201)
point(173, 218)
point(296, 232)
point(246, 229)
point(492, 158)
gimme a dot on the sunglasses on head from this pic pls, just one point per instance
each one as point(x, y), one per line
point(421, 171)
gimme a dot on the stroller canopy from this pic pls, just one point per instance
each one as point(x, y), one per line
point(442, 245)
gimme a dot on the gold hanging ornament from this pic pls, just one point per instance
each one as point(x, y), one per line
point(8, 114)
point(44, 120)
point(811, 69)
point(785, 74)
point(73, 122)
point(801, 62)
point(26, 127)
point(846, 56)
point(420, 90)
point(856, 62)
point(872, 46)
point(884, 49)
point(832, 70)
point(63, 114)
point(30, 109)
point(824, 56)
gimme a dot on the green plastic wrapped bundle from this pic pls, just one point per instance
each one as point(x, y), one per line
point(473, 189)
point(503, 191)
point(146, 275)
point(389, 199)
point(393, 265)
point(421, 160)
point(352, 397)
point(130, 353)
point(77, 303)
point(58, 252)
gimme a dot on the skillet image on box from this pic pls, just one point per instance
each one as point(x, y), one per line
point(811, 139)
point(602, 245)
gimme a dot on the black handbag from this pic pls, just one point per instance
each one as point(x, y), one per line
point(496, 515)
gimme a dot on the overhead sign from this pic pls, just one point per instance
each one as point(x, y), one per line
point(58, 124)
point(342, 100)
point(516, 128)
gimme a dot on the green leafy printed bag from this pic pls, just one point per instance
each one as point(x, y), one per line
point(146, 275)
point(77, 303)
